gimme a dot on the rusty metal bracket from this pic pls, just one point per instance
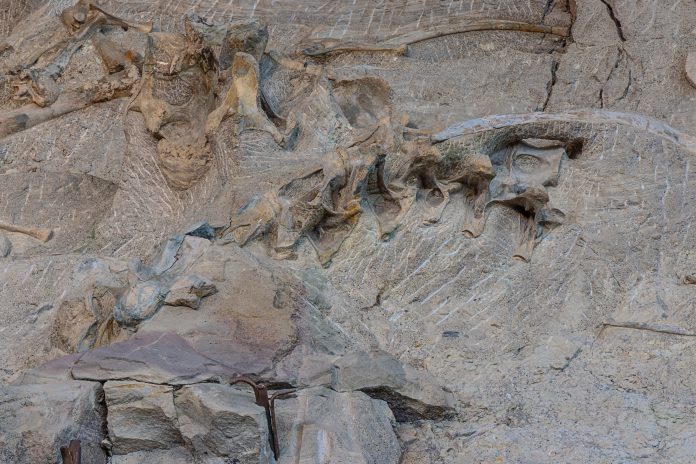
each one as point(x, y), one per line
point(268, 404)
point(71, 454)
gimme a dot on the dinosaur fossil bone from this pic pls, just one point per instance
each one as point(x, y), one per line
point(400, 43)
point(38, 233)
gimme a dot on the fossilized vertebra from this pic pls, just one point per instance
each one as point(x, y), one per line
point(323, 206)
point(242, 99)
point(181, 78)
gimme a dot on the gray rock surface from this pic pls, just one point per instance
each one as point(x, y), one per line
point(169, 456)
point(321, 425)
point(154, 357)
point(36, 420)
point(141, 417)
point(478, 211)
point(410, 394)
point(222, 424)
point(5, 246)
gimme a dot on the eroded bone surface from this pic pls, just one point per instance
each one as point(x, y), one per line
point(462, 230)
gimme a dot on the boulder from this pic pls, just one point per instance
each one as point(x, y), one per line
point(141, 417)
point(222, 424)
point(411, 394)
point(321, 425)
point(36, 420)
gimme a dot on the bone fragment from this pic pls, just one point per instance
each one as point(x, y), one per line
point(115, 86)
point(399, 44)
point(38, 233)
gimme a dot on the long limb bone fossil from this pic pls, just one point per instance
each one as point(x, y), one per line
point(38, 233)
point(399, 44)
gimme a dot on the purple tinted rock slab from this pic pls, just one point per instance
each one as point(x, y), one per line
point(154, 357)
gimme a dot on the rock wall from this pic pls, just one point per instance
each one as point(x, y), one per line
point(347, 232)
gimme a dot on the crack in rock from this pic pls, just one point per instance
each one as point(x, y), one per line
point(617, 22)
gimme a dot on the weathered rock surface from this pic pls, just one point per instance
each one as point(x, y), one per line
point(141, 417)
point(154, 357)
point(169, 456)
point(352, 199)
point(5, 246)
point(321, 425)
point(36, 420)
point(410, 394)
point(223, 424)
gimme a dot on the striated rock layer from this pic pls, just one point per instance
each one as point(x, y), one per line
point(347, 232)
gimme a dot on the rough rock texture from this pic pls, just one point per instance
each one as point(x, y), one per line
point(141, 417)
point(36, 420)
point(410, 394)
point(321, 425)
point(461, 230)
point(222, 424)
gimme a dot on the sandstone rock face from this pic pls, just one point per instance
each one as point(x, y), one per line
point(321, 425)
point(141, 417)
point(207, 423)
point(36, 420)
point(5, 246)
point(222, 424)
point(424, 231)
point(154, 357)
point(173, 456)
point(410, 394)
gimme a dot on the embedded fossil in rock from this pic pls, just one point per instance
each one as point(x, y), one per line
point(110, 87)
point(39, 86)
point(242, 99)
point(181, 77)
point(114, 57)
point(400, 177)
point(516, 175)
point(82, 21)
point(523, 171)
point(38, 233)
point(166, 281)
point(399, 44)
point(175, 97)
point(85, 13)
point(323, 205)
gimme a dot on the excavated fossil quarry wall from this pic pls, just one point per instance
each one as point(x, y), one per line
point(301, 231)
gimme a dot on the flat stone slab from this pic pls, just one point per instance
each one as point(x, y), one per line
point(153, 357)
point(411, 394)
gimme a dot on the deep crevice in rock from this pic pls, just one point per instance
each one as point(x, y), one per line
point(617, 22)
point(551, 83)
